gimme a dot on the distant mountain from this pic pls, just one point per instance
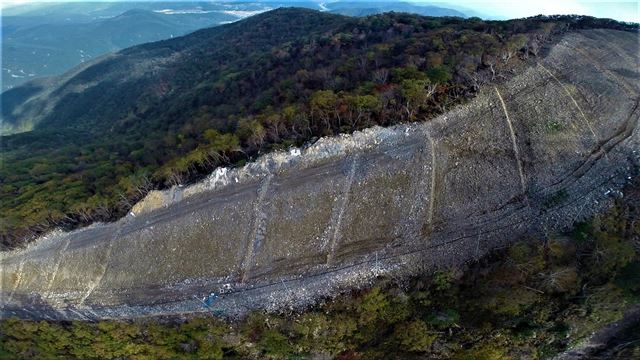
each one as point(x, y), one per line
point(42, 39)
point(366, 8)
point(37, 45)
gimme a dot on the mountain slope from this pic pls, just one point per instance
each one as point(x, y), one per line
point(167, 112)
point(40, 46)
point(549, 146)
point(49, 38)
point(178, 62)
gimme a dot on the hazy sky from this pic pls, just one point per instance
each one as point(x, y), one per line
point(626, 10)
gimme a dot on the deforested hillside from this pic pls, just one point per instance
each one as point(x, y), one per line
point(529, 157)
point(101, 136)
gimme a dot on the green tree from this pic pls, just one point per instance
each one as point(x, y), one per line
point(252, 133)
point(413, 336)
point(323, 104)
point(415, 94)
point(439, 74)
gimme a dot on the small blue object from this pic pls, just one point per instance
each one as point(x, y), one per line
point(210, 299)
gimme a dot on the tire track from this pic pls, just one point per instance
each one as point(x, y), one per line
point(56, 267)
point(432, 185)
point(565, 178)
point(514, 143)
point(618, 80)
point(257, 233)
point(18, 280)
point(595, 137)
point(335, 236)
point(602, 150)
point(419, 210)
point(94, 284)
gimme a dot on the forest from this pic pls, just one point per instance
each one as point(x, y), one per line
point(280, 79)
point(531, 300)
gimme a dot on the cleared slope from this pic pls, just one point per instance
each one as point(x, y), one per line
point(531, 155)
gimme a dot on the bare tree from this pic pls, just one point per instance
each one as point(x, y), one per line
point(381, 76)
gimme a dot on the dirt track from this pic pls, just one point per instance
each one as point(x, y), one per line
point(548, 147)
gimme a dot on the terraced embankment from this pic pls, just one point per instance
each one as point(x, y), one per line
point(531, 155)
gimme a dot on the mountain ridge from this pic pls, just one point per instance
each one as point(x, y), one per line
point(168, 112)
point(203, 37)
point(37, 39)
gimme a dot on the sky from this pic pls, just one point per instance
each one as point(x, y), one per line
point(625, 10)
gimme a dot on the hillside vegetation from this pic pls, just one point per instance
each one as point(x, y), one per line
point(165, 113)
point(44, 45)
point(529, 301)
